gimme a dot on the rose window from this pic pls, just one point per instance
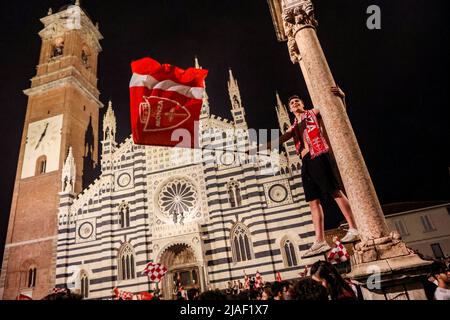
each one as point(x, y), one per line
point(177, 197)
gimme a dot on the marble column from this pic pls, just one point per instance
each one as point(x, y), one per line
point(382, 264)
point(319, 79)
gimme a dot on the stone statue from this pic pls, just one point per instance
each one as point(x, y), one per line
point(294, 53)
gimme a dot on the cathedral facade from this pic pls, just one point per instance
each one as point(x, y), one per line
point(210, 215)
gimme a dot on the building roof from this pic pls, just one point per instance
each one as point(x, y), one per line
point(399, 207)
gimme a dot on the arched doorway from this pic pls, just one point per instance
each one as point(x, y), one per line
point(183, 267)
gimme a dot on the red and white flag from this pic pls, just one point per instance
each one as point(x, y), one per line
point(258, 278)
point(123, 295)
point(59, 290)
point(155, 271)
point(23, 297)
point(145, 296)
point(165, 103)
point(304, 273)
point(339, 253)
point(278, 277)
point(246, 281)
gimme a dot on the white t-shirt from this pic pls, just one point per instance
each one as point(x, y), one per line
point(442, 294)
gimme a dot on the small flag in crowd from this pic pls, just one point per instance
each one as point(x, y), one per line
point(155, 271)
point(258, 278)
point(165, 98)
point(304, 273)
point(246, 281)
point(339, 253)
point(122, 295)
point(59, 290)
point(278, 277)
point(145, 296)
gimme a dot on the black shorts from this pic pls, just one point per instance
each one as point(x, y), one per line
point(318, 177)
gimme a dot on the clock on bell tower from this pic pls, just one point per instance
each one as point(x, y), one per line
point(63, 104)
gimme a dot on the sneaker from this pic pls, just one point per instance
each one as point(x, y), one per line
point(316, 249)
point(351, 236)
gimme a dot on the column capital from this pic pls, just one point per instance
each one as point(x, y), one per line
point(299, 13)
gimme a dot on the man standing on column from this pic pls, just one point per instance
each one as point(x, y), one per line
point(317, 175)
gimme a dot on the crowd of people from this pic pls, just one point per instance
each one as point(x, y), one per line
point(323, 283)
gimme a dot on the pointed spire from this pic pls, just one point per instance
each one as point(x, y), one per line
point(237, 108)
point(197, 64)
point(282, 114)
point(205, 107)
point(233, 89)
point(109, 124)
point(231, 76)
point(69, 173)
point(279, 102)
point(77, 3)
point(281, 108)
point(50, 11)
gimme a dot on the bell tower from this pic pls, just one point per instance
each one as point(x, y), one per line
point(62, 112)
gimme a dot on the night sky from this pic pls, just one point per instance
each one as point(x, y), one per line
point(396, 79)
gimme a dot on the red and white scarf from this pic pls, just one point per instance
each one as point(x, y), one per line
point(310, 130)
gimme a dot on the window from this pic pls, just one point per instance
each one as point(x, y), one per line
point(290, 257)
point(437, 251)
point(240, 243)
point(41, 165)
point(234, 194)
point(401, 228)
point(85, 57)
point(84, 285)
point(124, 215)
point(58, 48)
point(236, 102)
point(31, 278)
point(126, 263)
point(427, 225)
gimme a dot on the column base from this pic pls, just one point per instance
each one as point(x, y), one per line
point(380, 249)
point(393, 278)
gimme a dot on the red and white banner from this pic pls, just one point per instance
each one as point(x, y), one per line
point(165, 103)
point(155, 271)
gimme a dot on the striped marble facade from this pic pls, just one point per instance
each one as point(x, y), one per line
point(127, 217)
